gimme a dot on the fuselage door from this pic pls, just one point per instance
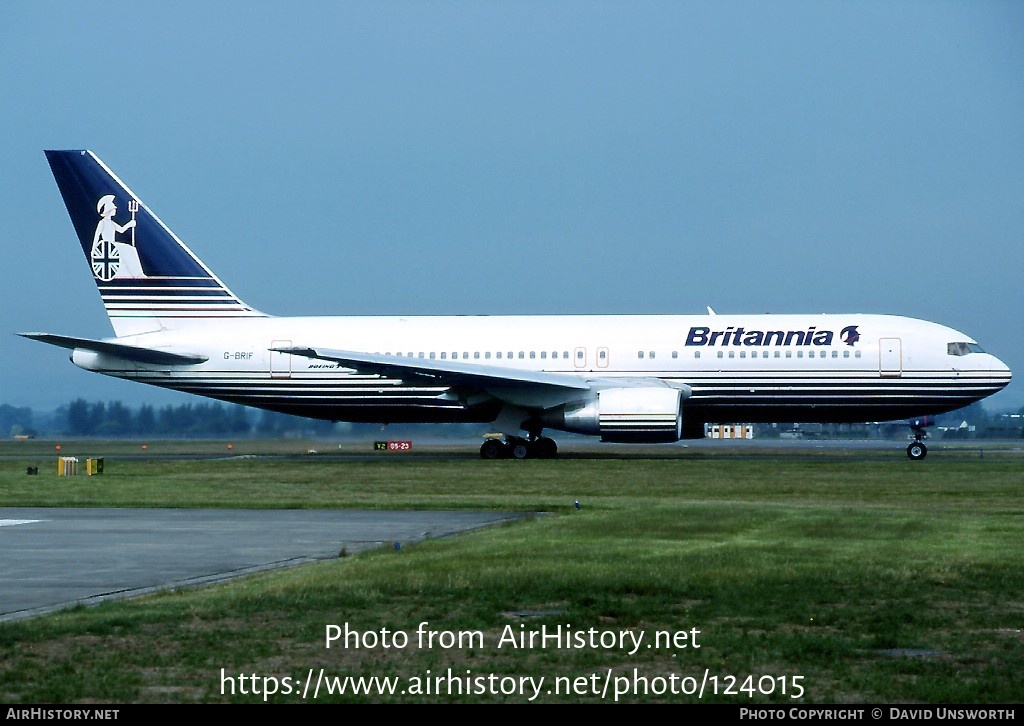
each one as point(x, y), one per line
point(579, 357)
point(602, 357)
point(280, 363)
point(890, 357)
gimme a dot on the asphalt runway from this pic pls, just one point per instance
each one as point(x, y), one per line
point(53, 558)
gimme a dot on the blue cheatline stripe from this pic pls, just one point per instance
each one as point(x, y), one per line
point(158, 283)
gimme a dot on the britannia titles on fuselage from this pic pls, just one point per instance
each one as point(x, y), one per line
point(701, 335)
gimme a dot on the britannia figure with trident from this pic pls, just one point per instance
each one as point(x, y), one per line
point(111, 258)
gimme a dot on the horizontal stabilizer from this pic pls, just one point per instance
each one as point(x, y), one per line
point(130, 352)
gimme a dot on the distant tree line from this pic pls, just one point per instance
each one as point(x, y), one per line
point(17, 421)
point(114, 419)
point(187, 420)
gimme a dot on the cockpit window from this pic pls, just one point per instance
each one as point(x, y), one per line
point(963, 348)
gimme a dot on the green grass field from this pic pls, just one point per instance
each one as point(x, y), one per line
point(854, 576)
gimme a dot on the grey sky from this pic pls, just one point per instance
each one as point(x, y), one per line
point(526, 157)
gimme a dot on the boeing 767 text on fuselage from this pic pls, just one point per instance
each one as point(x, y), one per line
point(628, 378)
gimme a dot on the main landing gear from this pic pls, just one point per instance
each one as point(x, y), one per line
point(514, 447)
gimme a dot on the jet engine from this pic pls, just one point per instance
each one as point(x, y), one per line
point(623, 415)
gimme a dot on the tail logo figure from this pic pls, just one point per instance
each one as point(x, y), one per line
point(850, 335)
point(110, 258)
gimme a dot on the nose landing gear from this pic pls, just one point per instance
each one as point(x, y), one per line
point(917, 450)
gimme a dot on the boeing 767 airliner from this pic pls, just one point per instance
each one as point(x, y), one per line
point(629, 378)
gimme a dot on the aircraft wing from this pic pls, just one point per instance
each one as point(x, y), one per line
point(130, 352)
point(526, 388)
point(444, 372)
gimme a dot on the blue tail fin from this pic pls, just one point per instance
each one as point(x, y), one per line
point(148, 279)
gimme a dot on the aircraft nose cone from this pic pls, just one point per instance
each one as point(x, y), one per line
point(1001, 368)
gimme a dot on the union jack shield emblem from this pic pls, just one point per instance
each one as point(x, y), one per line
point(105, 261)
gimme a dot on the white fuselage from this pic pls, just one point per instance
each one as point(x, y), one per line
point(794, 368)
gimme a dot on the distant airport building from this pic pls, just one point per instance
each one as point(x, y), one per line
point(730, 431)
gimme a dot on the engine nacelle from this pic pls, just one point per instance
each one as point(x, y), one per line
point(623, 415)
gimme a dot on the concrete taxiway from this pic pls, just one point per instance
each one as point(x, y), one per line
point(52, 558)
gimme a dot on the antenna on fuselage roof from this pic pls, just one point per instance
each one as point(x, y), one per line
point(710, 311)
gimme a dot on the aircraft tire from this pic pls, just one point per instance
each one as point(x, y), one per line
point(545, 448)
point(917, 451)
point(492, 449)
point(520, 450)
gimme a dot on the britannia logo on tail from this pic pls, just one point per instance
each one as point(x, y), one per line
point(112, 258)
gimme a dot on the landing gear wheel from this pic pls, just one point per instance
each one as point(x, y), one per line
point(545, 448)
point(520, 449)
point(917, 451)
point(492, 449)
